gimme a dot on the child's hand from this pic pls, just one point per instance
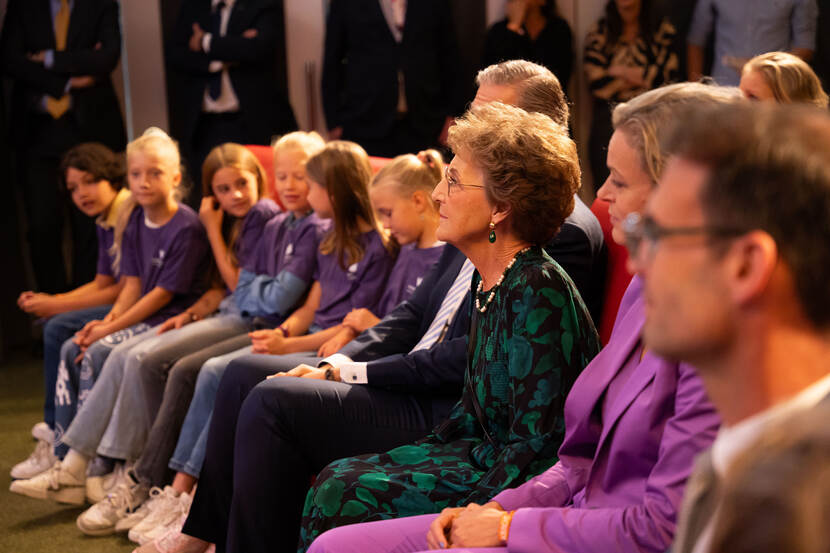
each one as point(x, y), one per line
point(176, 321)
point(41, 305)
point(210, 213)
point(80, 336)
point(333, 344)
point(360, 319)
point(268, 341)
point(23, 296)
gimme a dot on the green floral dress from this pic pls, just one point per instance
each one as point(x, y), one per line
point(530, 344)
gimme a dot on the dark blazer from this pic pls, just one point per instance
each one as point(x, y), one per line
point(93, 47)
point(579, 247)
point(362, 60)
point(263, 105)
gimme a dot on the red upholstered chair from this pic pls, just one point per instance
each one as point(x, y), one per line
point(378, 163)
point(617, 276)
point(265, 155)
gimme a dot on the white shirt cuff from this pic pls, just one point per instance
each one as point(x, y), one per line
point(206, 38)
point(353, 373)
point(350, 371)
point(335, 360)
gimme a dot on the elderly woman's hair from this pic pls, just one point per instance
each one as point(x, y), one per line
point(789, 77)
point(646, 119)
point(776, 495)
point(529, 165)
point(537, 88)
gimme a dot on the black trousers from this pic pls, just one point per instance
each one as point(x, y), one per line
point(282, 432)
point(47, 206)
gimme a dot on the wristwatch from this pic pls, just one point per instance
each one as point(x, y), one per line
point(330, 374)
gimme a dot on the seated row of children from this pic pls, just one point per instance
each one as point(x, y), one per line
point(178, 295)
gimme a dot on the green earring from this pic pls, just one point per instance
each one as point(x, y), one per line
point(492, 236)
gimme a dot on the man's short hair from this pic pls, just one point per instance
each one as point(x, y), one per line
point(537, 88)
point(769, 170)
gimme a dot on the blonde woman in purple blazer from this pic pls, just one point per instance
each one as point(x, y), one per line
point(633, 422)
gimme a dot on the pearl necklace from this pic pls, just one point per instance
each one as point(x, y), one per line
point(482, 309)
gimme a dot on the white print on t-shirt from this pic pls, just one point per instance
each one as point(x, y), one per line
point(351, 271)
point(289, 249)
point(158, 261)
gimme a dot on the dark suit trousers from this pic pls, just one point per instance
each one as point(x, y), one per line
point(46, 205)
point(282, 432)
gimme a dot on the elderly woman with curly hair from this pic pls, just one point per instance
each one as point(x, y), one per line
point(505, 193)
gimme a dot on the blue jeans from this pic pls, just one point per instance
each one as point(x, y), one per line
point(190, 449)
point(56, 331)
point(75, 380)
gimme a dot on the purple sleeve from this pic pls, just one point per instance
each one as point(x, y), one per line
point(104, 243)
point(184, 260)
point(130, 265)
point(250, 235)
point(373, 270)
point(647, 526)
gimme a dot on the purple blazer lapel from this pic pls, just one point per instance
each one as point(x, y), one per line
point(606, 365)
point(641, 377)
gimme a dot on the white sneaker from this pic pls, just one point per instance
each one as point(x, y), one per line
point(176, 542)
point(40, 460)
point(143, 512)
point(55, 484)
point(41, 431)
point(168, 509)
point(101, 518)
point(98, 487)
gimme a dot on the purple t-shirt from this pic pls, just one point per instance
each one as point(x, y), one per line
point(250, 232)
point(173, 256)
point(361, 285)
point(408, 272)
point(290, 244)
point(106, 235)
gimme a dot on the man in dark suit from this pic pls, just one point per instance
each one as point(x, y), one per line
point(390, 73)
point(387, 387)
point(223, 57)
point(732, 250)
point(60, 55)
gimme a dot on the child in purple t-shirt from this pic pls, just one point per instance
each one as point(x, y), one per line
point(353, 261)
point(401, 197)
point(94, 177)
point(161, 251)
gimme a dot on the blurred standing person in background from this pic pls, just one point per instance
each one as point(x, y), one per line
point(625, 55)
point(532, 30)
point(60, 61)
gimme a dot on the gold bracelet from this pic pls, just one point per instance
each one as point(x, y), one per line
point(504, 526)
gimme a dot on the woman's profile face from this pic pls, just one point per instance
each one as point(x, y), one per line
point(754, 87)
point(627, 187)
point(628, 8)
point(463, 209)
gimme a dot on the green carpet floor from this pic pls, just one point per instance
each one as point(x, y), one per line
point(30, 525)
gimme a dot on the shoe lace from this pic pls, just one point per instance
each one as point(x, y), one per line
point(54, 475)
point(119, 498)
point(41, 452)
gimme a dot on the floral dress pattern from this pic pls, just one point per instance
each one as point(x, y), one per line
point(529, 346)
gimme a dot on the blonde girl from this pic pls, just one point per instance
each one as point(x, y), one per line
point(782, 78)
point(401, 197)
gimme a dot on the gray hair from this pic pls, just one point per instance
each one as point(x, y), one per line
point(537, 88)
